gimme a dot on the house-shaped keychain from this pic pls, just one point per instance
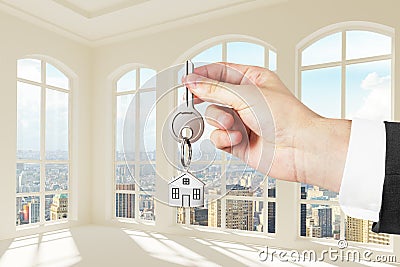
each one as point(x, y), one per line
point(186, 191)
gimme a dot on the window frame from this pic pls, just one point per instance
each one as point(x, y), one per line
point(196, 194)
point(42, 161)
point(342, 63)
point(137, 162)
point(175, 193)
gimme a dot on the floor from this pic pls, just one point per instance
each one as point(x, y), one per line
point(108, 246)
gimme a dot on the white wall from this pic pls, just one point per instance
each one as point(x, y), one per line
point(20, 39)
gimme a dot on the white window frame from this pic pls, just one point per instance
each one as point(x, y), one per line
point(42, 161)
point(137, 162)
point(342, 63)
point(224, 40)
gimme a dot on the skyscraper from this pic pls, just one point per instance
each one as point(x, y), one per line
point(124, 205)
point(323, 219)
point(271, 211)
point(359, 230)
point(34, 211)
point(59, 207)
point(303, 212)
point(239, 213)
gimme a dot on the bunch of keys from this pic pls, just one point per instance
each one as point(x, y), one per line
point(186, 127)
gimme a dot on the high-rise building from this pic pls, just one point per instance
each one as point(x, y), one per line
point(303, 212)
point(59, 207)
point(239, 213)
point(359, 230)
point(323, 218)
point(124, 205)
point(201, 216)
point(271, 210)
point(214, 213)
point(34, 211)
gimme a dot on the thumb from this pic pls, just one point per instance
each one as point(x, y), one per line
point(214, 91)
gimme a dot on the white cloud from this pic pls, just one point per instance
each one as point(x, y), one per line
point(377, 105)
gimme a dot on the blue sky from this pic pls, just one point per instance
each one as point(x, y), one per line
point(368, 85)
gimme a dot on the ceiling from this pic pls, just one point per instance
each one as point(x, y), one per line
point(97, 22)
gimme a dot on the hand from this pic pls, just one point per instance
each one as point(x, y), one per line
point(308, 148)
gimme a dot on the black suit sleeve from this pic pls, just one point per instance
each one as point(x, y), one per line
point(389, 215)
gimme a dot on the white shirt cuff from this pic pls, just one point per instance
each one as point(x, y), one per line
point(361, 189)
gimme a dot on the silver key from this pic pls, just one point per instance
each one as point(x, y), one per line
point(186, 121)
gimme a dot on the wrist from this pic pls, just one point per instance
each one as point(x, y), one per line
point(321, 157)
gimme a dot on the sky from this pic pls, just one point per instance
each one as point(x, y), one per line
point(367, 88)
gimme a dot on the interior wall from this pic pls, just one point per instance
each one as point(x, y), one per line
point(18, 40)
point(283, 26)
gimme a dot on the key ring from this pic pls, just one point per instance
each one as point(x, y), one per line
point(186, 141)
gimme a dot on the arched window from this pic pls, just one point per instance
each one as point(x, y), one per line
point(236, 196)
point(134, 163)
point(43, 142)
point(343, 73)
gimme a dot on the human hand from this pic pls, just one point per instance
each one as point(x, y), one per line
point(307, 147)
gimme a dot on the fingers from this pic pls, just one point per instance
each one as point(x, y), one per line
point(214, 91)
point(219, 117)
point(225, 139)
point(230, 72)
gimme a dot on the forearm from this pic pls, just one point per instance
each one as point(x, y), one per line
point(321, 150)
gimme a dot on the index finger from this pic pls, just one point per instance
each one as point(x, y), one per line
point(230, 72)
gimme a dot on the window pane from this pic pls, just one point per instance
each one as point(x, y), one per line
point(272, 61)
point(320, 221)
point(210, 175)
point(124, 177)
point(28, 177)
point(327, 49)
point(212, 54)
point(126, 107)
point(125, 205)
point(246, 53)
point(321, 91)
point(56, 207)
point(368, 90)
point(55, 77)
point(57, 130)
point(127, 82)
point(367, 44)
point(147, 78)
point(147, 178)
point(146, 207)
point(29, 69)
point(28, 121)
point(359, 230)
point(57, 177)
point(147, 126)
point(240, 213)
point(28, 210)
